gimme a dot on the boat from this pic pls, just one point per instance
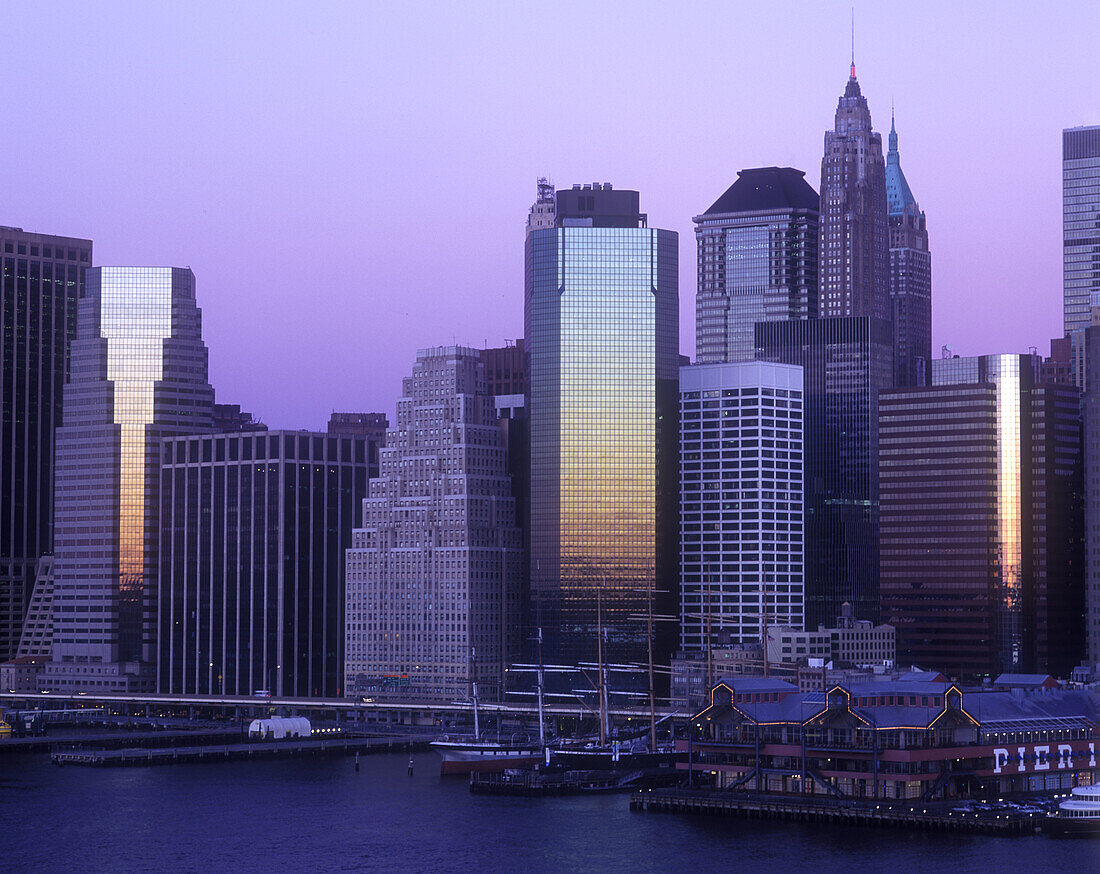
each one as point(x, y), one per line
point(469, 756)
point(466, 756)
point(1079, 815)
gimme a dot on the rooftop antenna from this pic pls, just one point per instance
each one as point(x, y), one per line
point(853, 42)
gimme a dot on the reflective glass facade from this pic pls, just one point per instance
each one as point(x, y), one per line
point(41, 279)
point(845, 363)
point(757, 261)
point(1081, 233)
point(139, 373)
point(982, 560)
point(601, 327)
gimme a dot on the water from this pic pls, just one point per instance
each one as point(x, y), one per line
point(319, 815)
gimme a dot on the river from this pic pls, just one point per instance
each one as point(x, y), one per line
point(320, 815)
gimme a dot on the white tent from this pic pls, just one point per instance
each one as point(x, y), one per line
point(279, 727)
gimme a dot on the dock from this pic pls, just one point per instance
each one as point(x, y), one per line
point(903, 815)
point(236, 751)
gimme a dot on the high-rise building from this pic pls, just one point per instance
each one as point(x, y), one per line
point(846, 362)
point(434, 569)
point(741, 532)
point(757, 261)
point(506, 369)
point(980, 485)
point(854, 260)
point(370, 425)
point(910, 275)
point(42, 278)
point(138, 374)
point(1081, 236)
point(253, 532)
point(1092, 491)
point(601, 328)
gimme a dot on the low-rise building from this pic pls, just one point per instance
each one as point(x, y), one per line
point(915, 739)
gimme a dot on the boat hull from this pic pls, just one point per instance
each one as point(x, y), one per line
point(1072, 827)
point(469, 759)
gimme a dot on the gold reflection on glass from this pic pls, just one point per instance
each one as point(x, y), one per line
point(1009, 523)
point(608, 418)
point(135, 319)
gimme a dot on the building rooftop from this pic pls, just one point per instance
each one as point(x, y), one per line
point(766, 189)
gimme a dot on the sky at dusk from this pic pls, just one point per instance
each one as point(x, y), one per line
point(350, 182)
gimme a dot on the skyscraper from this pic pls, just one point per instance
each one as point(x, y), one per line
point(757, 261)
point(741, 531)
point(139, 374)
point(854, 266)
point(254, 526)
point(601, 327)
point(42, 279)
point(1092, 491)
point(910, 275)
point(1081, 236)
point(846, 362)
point(434, 575)
point(980, 518)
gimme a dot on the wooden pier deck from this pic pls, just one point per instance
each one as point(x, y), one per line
point(857, 813)
point(297, 747)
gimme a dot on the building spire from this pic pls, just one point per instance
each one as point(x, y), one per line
point(853, 74)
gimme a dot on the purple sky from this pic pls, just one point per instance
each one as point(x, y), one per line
point(350, 182)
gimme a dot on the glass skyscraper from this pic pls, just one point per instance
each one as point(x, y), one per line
point(980, 484)
point(1081, 233)
point(757, 261)
point(254, 526)
point(601, 319)
point(846, 362)
point(139, 373)
point(41, 281)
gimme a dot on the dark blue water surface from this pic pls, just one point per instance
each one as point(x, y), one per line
point(319, 815)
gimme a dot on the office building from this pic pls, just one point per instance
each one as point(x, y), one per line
point(846, 362)
point(41, 278)
point(601, 329)
point(1081, 236)
point(854, 260)
point(434, 576)
point(910, 275)
point(370, 425)
point(741, 523)
point(138, 375)
point(980, 485)
point(506, 369)
point(253, 532)
point(757, 261)
point(1092, 492)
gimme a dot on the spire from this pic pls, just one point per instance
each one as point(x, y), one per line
point(898, 194)
point(853, 74)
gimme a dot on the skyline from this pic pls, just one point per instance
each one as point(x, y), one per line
point(248, 151)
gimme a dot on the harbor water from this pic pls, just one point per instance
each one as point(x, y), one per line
point(321, 815)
